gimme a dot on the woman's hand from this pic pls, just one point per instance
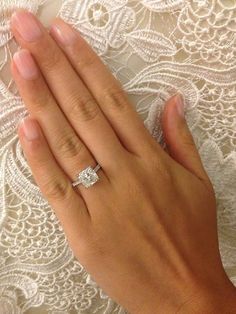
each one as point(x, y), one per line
point(146, 231)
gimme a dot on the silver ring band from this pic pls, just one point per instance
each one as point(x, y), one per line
point(87, 177)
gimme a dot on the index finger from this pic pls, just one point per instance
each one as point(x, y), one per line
point(107, 91)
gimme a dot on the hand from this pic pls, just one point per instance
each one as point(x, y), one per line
point(146, 231)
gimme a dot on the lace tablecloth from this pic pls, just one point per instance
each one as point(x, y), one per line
point(155, 48)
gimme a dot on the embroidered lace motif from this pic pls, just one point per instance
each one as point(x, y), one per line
point(155, 48)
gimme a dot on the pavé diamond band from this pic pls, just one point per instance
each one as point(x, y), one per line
point(87, 177)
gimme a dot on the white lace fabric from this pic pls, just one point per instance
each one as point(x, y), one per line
point(155, 48)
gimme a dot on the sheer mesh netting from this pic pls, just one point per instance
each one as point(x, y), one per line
point(155, 48)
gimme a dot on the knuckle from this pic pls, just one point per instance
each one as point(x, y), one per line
point(160, 169)
point(85, 63)
point(69, 146)
point(133, 184)
point(56, 189)
point(84, 109)
point(116, 98)
point(37, 99)
point(41, 103)
point(167, 174)
point(51, 61)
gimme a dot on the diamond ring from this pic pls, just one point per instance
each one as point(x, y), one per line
point(87, 177)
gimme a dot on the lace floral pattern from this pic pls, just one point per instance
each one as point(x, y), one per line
point(155, 48)
point(208, 30)
point(103, 23)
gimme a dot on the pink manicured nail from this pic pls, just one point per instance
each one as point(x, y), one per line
point(180, 104)
point(26, 25)
point(63, 33)
point(30, 129)
point(25, 64)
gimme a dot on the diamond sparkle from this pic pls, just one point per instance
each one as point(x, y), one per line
point(88, 177)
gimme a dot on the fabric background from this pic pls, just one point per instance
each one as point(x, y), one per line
point(155, 48)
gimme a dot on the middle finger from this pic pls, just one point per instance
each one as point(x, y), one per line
point(69, 151)
point(73, 97)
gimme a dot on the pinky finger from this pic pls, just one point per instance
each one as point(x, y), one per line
point(53, 182)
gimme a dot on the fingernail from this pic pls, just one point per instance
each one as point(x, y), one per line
point(63, 33)
point(25, 64)
point(30, 129)
point(26, 25)
point(180, 104)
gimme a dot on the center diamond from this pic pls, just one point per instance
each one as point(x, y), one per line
point(88, 177)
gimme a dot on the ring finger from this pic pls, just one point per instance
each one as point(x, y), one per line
point(69, 207)
point(68, 149)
